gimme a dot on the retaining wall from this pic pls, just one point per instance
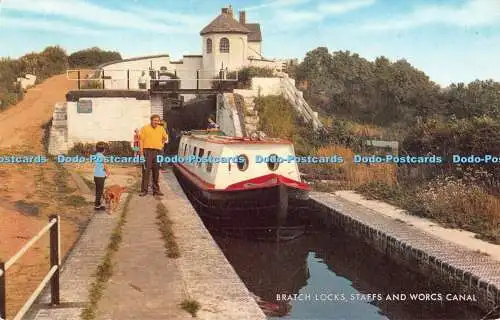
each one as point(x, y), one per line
point(464, 271)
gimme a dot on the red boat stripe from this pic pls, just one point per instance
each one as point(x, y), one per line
point(254, 183)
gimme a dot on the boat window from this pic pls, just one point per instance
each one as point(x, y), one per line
point(273, 163)
point(242, 165)
point(200, 154)
point(185, 149)
point(209, 162)
point(194, 155)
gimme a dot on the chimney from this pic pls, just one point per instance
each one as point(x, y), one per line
point(230, 11)
point(243, 17)
point(225, 10)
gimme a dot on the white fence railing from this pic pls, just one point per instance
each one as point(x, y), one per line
point(296, 98)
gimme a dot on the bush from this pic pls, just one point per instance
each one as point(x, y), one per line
point(245, 75)
point(455, 202)
point(11, 99)
point(474, 136)
point(92, 84)
point(460, 203)
point(277, 118)
point(244, 78)
point(115, 148)
point(92, 57)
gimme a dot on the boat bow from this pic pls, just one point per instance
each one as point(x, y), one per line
point(269, 180)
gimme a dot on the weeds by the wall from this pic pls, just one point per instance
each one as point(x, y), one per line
point(165, 224)
point(191, 306)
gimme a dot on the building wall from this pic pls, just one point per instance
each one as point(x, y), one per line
point(255, 49)
point(112, 119)
point(267, 86)
point(276, 65)
point(234, 60)
point(187, 71)
point(118, 71)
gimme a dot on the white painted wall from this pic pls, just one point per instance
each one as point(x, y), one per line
point(234, 60)
point(112, 119)
point(187, 71)
point(28, 81)
point(276, 65)
point(267, 86)
point(118, 71)
point(255, 49)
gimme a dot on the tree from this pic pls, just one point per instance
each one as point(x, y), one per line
point(92, 57)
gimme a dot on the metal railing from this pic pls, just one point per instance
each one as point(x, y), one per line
point(53, 275)
point(127, 79)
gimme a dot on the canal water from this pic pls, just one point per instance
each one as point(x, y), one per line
point(330, 275)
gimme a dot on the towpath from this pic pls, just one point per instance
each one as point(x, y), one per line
point(145, 282)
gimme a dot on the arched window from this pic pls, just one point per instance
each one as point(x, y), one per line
point(209, 45)
point(224, 45)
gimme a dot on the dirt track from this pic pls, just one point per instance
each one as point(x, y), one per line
point(20, 125)
point(29, 193)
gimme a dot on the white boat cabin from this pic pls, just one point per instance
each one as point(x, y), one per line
point(224, 174)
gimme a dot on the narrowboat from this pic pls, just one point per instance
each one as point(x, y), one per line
point(242, 186)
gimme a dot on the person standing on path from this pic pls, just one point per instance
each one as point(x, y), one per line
point(101, 171)
point(152, 138)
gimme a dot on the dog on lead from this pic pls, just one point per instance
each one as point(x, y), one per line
point(112, 195)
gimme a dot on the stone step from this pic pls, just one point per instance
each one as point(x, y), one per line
point(249, 128)
point(246, 93)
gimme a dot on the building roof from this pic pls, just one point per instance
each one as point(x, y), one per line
point(224, 23)
point(254, 34)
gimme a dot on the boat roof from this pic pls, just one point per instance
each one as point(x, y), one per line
point(220, 138)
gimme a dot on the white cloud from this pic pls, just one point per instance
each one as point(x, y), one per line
point(94, 15)
point(471, 13)
point(293, 19)
point(276, 4)
point(343, 7)
point(46, 25)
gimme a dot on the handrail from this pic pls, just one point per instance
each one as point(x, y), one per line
point(25, 308)
point(23, 250)
point(52, 275)
point(299, 102)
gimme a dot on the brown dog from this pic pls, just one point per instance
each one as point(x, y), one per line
point(112, 195)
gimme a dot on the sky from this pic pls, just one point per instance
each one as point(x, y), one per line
point(449, 40)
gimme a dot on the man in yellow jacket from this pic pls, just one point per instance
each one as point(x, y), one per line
point(152, 139)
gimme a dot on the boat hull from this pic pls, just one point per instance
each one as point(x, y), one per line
point(272, 213)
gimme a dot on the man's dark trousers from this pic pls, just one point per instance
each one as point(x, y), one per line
point(99, 189)
point(151, 165)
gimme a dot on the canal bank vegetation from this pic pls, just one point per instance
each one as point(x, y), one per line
point(167, 231)
point(361, 100)
point(191, 306)
point(53, 60)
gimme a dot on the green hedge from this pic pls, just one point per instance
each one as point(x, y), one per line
point(115, 148)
